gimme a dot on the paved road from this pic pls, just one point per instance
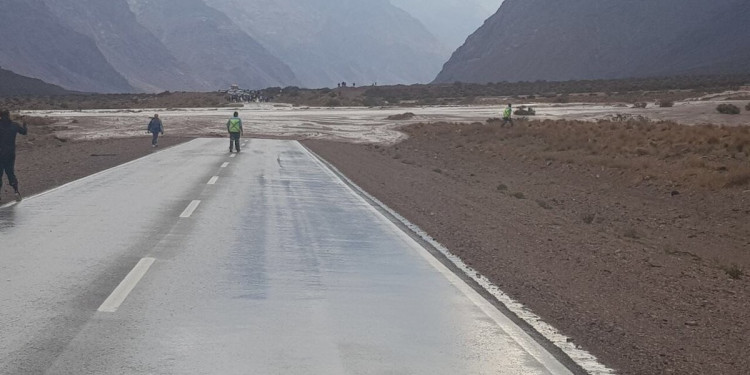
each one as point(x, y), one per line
point(274, 267)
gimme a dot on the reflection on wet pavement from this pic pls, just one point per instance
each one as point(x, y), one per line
point(7, 218)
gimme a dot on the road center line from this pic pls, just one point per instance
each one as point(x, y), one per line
point(190, 209)
point(226, 164)
point(233, 155)
point(118, 296)
point(213, 180)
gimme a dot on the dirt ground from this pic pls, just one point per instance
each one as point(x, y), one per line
point(647, 274)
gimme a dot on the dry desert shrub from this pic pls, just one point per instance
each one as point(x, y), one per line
point(402, 116)
point(728, 109)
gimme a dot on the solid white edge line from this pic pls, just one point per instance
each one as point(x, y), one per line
point(213, 180)
point(583, 358)
point(190, 209)
point(226, 164)
point(118, 296)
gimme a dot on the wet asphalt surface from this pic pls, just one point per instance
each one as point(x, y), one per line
point(193, 261)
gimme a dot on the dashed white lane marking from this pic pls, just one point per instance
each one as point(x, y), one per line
point(225, 165)
point(233, 155)
point(213, 180)
point(190, 209)
point(118, 296)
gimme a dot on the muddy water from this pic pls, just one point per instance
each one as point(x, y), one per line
point(361, 125)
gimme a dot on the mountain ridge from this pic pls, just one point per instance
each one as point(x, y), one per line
point(330, 41)
point(40, 46)
point(126, 44)
point(212, 48)
point(602, 39)
point(12, 84)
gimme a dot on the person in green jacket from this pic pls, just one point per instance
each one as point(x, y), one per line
point(508, 115)
point(234, 127)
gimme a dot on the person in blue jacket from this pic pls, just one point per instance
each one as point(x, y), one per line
point(155, 127)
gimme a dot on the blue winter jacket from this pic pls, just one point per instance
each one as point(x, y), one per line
point(155, 126)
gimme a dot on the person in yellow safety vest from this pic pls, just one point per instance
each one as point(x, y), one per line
point(508, 115)
point(234, 127)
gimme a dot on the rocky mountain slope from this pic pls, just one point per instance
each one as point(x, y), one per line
point(330, 41)
point(12, 84)
point(35, 44)
point(215, 51)
point(186, 45)
point(591, 39)
point(128, 46)
point(104, 46)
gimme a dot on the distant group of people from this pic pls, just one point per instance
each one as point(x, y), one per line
point(8, 132)
point(234, 128)
point(242, 96)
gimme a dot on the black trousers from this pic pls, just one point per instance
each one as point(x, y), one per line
point(155, 138)
point(234, 140)
point(8, 166)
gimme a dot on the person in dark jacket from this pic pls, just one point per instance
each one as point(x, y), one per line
point(155, 127)
point(8, 132)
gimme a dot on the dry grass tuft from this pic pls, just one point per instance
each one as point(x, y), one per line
point(588, 218)
point(543, 204)
point(734, 271)
point(737, 180)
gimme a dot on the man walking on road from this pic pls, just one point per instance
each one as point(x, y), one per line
point(8, 132)
point(234, 127)
point(155, 127)
point(508, 115)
